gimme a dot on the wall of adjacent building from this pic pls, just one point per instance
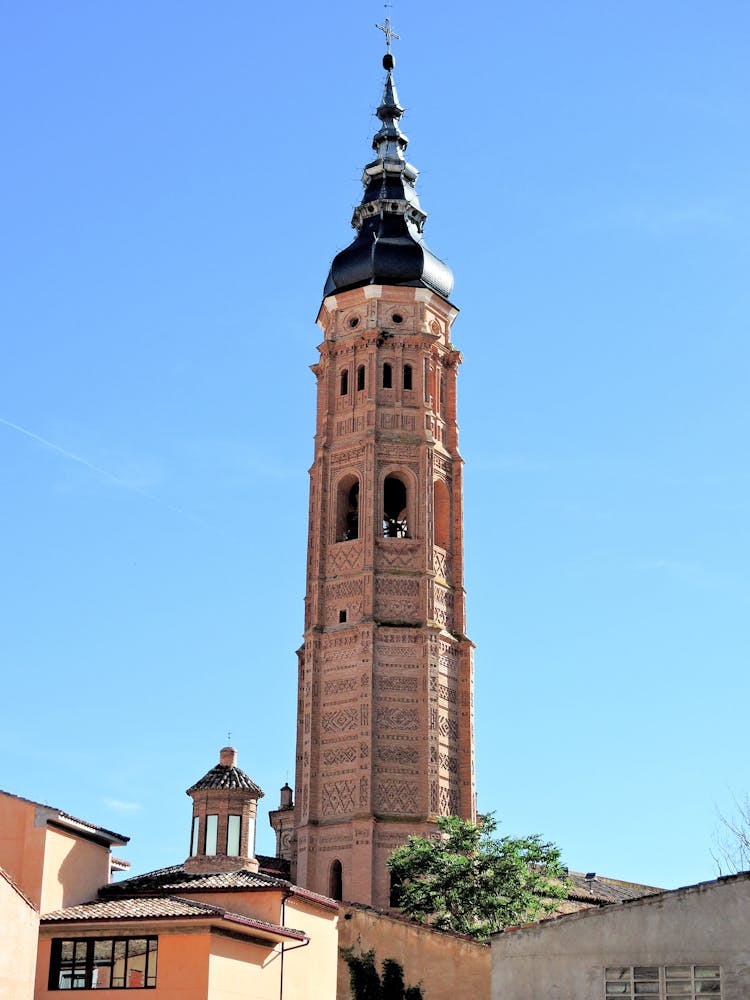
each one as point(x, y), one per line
point(240, 968)
point(448, 966)
point(53, 867)
point(74, 869)
point(19, 921)
point(315, 963)
point(707, 924)
point(22, 845)
point(311, 971)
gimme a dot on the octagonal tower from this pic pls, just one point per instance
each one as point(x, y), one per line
point(385, 740)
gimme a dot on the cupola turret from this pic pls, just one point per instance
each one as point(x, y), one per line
point(225, 803)
point(388, 248)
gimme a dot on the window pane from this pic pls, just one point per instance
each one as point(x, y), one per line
point(151, 970)
point(707, 986)
point(647, 972)
point(233, 836)
point(678, 987)
point(615, 975)
point(78, 975)
point(102, 975)
point(707, 972)
point(65, 972)
point(212, 825)
point(196, 833)
point(135, 976)
point(118, 964)
point(618, 989)
point(678, 972)
point(646, 989)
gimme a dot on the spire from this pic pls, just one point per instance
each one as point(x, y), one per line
point(389, 248)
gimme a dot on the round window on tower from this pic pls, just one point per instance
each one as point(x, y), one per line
point(397, 318)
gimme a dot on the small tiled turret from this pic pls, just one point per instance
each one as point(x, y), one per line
point(225, 803)
point(282, 821)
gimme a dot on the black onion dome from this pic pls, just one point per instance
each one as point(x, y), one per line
point(388, 248)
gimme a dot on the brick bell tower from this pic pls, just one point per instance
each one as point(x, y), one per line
point(385, 732)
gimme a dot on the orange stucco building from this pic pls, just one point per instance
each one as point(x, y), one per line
point(217, 926)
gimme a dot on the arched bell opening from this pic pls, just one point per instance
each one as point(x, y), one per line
point(395, 517)
point(347, 509)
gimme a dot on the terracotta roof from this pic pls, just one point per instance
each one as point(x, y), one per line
point(67, 819)
point(600, 890)
point(176, 879)
point(644, 899)
point(226, 776)
point(279, 867)
point(160, 908)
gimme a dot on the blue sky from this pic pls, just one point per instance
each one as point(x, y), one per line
point(176, 179)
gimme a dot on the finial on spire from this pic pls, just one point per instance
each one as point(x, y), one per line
point(388, 61)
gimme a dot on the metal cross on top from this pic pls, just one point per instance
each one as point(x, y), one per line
point(388, 30)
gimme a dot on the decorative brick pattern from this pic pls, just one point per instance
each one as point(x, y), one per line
point(338, 798)
point(397, 683)
point(404, 719)
point(342, 755)
point(340, 720)
point(397, 796)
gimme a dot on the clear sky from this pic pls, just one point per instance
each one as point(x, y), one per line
point(176, 178)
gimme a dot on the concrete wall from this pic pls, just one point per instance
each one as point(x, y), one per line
point(707, 924)
point(448, 966)
point(20, 925)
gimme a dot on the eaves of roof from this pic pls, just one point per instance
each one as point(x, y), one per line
point(173, 909)
point(175, 880)
point(7, 877)
point(65, 819)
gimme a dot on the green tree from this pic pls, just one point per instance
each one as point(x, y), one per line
point(468, 881)
point(367, 984)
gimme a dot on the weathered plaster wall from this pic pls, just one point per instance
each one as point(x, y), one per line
point(708, 924)
point(448, 966)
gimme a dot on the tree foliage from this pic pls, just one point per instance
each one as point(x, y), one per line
point(468, 881)
point(367, 984)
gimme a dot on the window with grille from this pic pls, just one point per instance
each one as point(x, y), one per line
point(663, 982)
